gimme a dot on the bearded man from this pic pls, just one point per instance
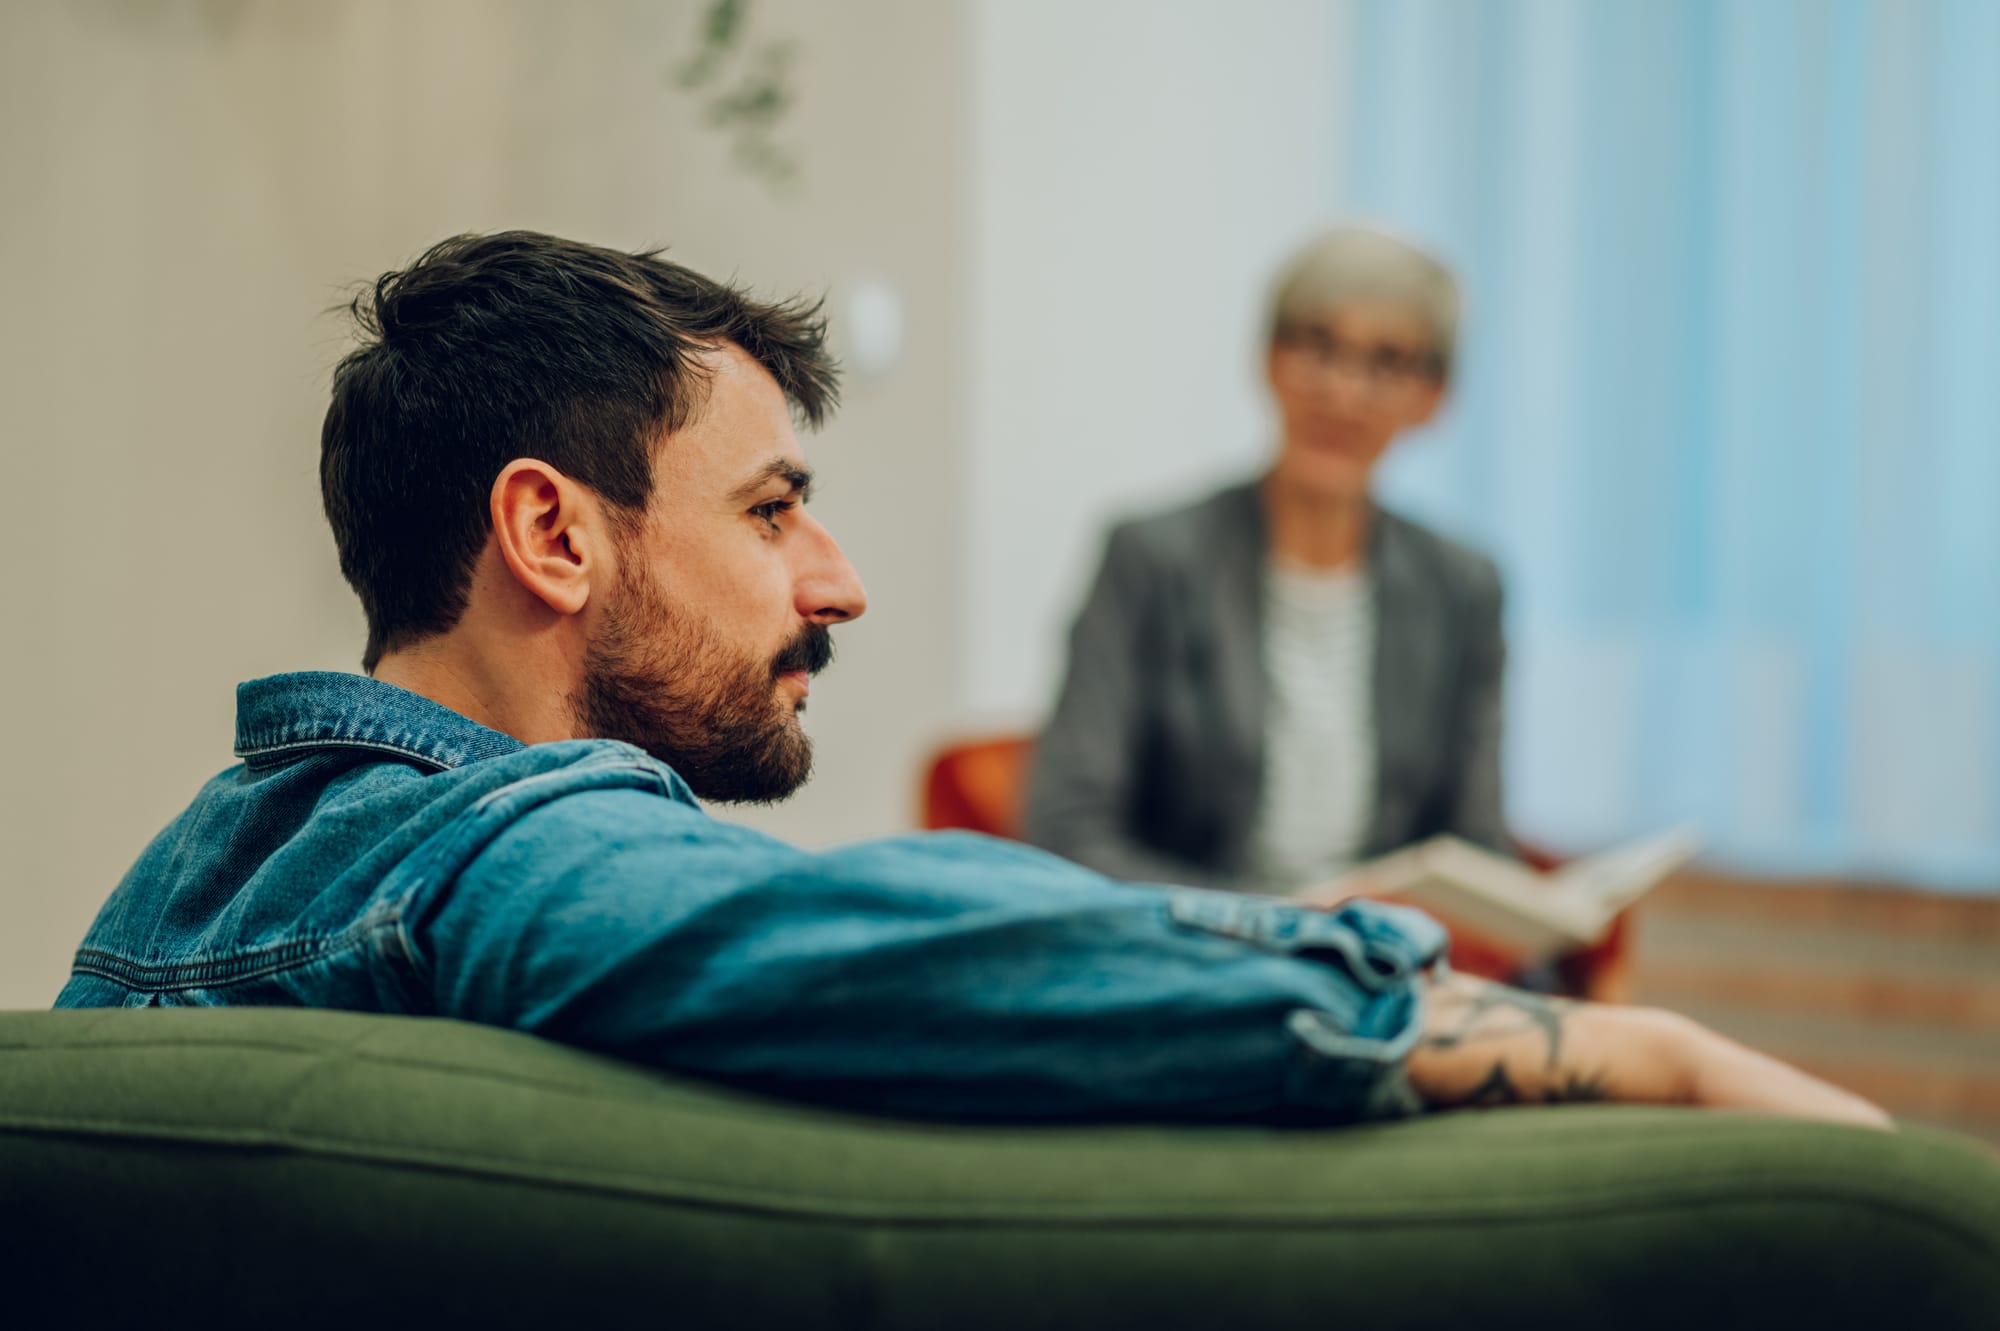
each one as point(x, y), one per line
point(564, 482)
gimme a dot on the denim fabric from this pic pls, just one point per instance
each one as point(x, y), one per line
point(377, 852)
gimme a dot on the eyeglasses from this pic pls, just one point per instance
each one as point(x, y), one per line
point(1380, 366)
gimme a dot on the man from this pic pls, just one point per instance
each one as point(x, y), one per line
point(565, 484)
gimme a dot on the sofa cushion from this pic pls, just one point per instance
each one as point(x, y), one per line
point(259, 1167)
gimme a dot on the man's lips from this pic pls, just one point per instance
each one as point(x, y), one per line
point(798, 679)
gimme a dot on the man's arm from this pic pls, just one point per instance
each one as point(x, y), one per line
point(1485, 1044)
point(942, 975)
point(956, 976)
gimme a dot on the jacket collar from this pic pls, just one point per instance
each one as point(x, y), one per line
point(282, 717)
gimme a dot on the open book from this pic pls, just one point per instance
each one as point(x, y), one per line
point(1506, 901)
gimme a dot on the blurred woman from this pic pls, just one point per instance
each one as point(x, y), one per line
point(1283, 678)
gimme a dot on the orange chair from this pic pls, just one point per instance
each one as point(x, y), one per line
point(977, 785)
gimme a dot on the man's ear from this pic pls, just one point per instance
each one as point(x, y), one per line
point(552, 532)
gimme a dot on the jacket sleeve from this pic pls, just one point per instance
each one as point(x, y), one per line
point(943, 975)
point(1475, 809)
point(1082, 783)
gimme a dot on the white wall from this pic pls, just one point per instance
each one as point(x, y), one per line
point(1140, 168)
point(187, 186)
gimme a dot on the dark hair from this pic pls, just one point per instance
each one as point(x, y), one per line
point(490, 348)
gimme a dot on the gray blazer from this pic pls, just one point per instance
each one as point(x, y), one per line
point(1152, 765)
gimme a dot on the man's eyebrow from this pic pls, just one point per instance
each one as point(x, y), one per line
point(793, 474)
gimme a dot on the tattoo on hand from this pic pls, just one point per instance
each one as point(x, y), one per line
point(1496, 1012)
point(1576, 1088)
point(1499, 1089)
point(1517, 1011)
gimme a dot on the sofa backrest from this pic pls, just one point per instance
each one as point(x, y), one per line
point(303, 1169)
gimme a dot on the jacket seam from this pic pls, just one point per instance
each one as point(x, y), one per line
point(269, 752)
point(174, 977)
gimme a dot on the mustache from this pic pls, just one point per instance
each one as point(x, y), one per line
point(811, 651)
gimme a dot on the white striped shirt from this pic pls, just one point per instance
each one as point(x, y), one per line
point(1319, 727)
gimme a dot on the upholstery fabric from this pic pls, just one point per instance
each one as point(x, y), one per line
point(301, 1169)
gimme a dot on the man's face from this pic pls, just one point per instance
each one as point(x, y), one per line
point(1346, 384)
point(703, 652)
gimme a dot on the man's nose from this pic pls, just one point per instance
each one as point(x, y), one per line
point(829, 590)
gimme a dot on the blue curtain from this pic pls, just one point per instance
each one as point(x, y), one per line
point(1728, 411)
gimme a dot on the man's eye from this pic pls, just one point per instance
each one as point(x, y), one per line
point(771, 512)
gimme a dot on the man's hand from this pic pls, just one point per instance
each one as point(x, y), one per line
point(1486, 1044)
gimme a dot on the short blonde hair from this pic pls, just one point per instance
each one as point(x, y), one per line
point(1362, 263)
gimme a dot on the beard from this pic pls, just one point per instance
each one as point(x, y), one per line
point(657, 679)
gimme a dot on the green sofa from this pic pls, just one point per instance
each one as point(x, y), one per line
point(289, 1169)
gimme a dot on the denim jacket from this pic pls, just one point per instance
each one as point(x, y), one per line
point(375, 851)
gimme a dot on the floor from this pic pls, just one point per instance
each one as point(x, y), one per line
point(1891, 993)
